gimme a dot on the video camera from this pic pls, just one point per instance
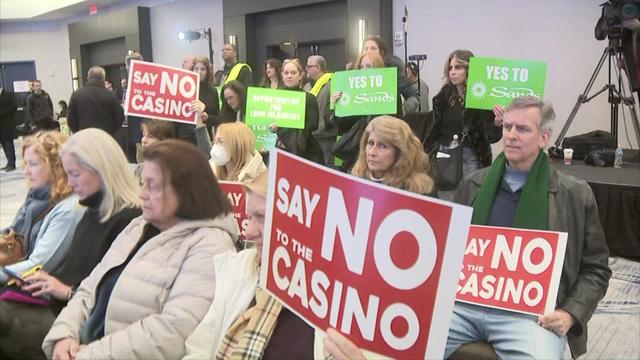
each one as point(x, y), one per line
point(613, 13)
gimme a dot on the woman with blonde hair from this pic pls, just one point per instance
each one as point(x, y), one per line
point(233, 154)
point(46, 221)
point(391, 154)
point(98, 172)
point(299, 141)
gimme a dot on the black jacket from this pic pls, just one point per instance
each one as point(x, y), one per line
point(585, 273)
point(482, 129)
point(39, 110)
point(7, 120)
point(93, 106)
point(301, 141)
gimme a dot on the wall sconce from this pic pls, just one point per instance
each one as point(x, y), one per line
point(233, 40)
point(75, 83)
point(362, 33)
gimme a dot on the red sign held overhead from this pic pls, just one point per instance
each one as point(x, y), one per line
point(236, 195)
point(371, 261)
point(161, 92)
point(93, 9)
point(512, 269)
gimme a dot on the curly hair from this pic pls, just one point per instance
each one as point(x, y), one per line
point(207, 64)
point(463, 56)
point(409, 172)
point(47, 144)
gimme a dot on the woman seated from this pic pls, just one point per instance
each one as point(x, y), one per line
point(46, 221)
point(233, 154)
point(391, 154)
point(99, 174)
point(300, 141)
point(156, 281)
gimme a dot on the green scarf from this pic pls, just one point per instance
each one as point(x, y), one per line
point(532, 210)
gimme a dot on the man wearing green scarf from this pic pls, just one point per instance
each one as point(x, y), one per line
point(522, 190)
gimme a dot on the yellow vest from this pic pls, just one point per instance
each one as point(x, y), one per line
point(315, 90)
point(235, 71)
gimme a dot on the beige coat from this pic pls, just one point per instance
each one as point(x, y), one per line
point(160, 297)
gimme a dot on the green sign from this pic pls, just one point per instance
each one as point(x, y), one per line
point(366, 92)
point(284, 107)
point(265, 139)
point(498, 81)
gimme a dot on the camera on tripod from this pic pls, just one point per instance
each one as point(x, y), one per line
point(614, 12)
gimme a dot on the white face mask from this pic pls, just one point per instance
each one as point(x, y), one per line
point(219, 155)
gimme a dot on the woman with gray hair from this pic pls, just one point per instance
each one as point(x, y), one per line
point(98, 172)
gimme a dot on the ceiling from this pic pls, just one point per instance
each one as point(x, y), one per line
point(48, 10)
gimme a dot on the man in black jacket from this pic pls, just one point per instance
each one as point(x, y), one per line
point(8, 128)
point(40, 109)
point(93, 106)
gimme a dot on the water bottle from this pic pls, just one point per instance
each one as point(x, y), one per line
point(454, 143)
point(617, 162)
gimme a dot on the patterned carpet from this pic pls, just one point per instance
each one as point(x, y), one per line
point(614, 330)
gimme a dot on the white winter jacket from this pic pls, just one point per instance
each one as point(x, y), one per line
point(160, 297)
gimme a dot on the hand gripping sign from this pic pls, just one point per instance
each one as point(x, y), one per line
point(371, 261)
point(512, 269)
point(161, 92)
point(236, 195)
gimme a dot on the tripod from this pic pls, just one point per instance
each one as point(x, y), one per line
point(617, 94)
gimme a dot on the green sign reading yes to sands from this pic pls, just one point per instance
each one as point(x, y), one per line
point(366, 92)
point(498, 81)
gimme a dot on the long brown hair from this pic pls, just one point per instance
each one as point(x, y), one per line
point(409, 172)
point(207, 64)
point(277, 65)
point(189, 173)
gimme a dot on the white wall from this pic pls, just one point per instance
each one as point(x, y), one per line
point(167, 20)
point(48, 43)
point(49, 46)
point(559, 33)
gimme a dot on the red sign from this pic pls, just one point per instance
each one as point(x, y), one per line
point(371, 261)
point(161, 92)
point(512, 269)
point(235, 194)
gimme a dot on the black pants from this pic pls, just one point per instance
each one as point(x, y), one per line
point(9, 152)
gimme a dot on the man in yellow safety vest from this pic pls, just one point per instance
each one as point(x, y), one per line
point(234, 70)
point(320, 87)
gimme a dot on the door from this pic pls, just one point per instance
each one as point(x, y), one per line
point(13, 77)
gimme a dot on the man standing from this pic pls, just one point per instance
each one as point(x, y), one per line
point(320, 87)
point(522, 190)
point(234, 70)
point(93, 106)
point(416, 104)
point(39, 109)
point(8, 128)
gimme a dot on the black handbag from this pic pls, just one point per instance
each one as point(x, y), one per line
point(347, 147)
point(448, 167)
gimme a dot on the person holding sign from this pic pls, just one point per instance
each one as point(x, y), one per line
point(207, 93)
point(460, 138)
point(351, 128)
point(390, 154)
point(299, 141)
point(242, 313)
point(522, 190)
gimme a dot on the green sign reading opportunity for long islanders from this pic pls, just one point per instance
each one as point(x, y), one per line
point(366, 92)
point(283, 107)
point(498, 81)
